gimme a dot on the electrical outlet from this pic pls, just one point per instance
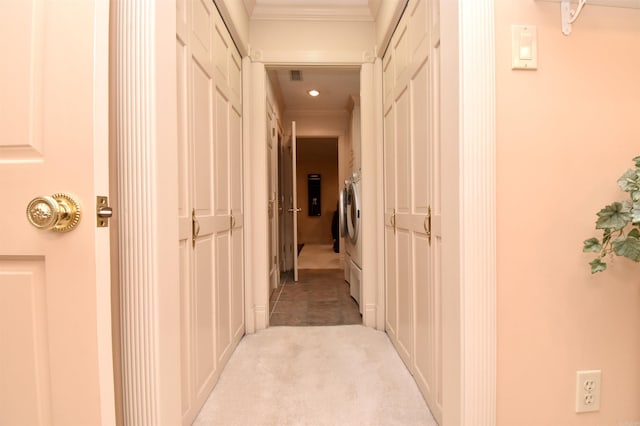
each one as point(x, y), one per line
point(588, 390)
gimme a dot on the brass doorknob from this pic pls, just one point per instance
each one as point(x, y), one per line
point(58, 212)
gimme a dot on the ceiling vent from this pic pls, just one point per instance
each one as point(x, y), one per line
point(296, 75)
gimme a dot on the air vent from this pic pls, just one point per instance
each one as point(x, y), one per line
point(296, 75)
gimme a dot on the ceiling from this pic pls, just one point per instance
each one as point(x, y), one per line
point(345, 10)
point(335, 85)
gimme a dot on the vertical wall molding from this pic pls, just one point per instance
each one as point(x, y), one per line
point(135, 144)
point(478, 211)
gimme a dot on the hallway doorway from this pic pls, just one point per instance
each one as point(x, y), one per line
point(326, 156)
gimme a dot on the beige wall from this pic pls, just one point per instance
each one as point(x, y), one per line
point(565, 133)
point(312, 37)
point(317, 156)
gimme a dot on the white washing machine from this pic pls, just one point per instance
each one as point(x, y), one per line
point(353, 217)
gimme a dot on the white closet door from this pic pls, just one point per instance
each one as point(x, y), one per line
point(412, 196)
point(210, 210)
point(272, 172)
point(294, 210)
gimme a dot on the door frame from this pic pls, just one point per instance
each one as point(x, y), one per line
point(256, 200)
point(468, 134)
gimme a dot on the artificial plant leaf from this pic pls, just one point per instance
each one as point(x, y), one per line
point(628, 247)
point(615, 216)
point(597, 265)
point(629, 180)
point(635, 233)
point(635, 195)
point(592, 245)
point(635, 212)
point(636, 160)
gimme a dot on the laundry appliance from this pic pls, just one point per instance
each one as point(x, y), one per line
point(344, 232)
point(352, 216)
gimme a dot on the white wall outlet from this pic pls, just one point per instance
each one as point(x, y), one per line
point(588, 390)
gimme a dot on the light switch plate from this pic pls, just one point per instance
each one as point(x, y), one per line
point(524, 47)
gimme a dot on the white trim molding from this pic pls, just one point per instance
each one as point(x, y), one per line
point(478, 211)
point(469, 212)
point(311, 57)
point(317, 13)
point(145, 121)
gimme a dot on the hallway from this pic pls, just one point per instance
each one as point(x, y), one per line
point(320, 297)
point(348, 375)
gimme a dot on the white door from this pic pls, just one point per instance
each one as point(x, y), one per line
point(294, 197)
point(272, 159)
point(287, 251)
point(55, 324)
point(412, 196)
point(210, 209)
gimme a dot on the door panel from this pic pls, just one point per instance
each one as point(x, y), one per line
point(221, 167)
point(421, 140)
point(223, 294)
point(211, 199)
point(54, 323)
point(391, 290)
point(412, 197)
point(272, 175)
point(237, 276)
point(204, 313)
point(294, 198)
point(202, 126)
point(23, 322)
point(390, 163)
point(403, 152)
point(405, 295)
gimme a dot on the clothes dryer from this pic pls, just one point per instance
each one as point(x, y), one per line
point(354, 237)
point(344, 231)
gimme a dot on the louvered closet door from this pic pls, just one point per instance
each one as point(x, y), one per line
point(412, 196)
point(210, 211)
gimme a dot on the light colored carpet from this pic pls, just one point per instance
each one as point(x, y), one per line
point(319, 256)
point(343, 375)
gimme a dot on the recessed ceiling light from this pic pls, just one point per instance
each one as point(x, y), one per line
point(313, 93)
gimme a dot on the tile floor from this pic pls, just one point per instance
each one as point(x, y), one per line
point(319, 256)
point(320, 297)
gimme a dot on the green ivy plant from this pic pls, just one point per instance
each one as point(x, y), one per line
point(620, 224)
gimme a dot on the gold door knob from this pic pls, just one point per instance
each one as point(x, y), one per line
point(59, 212)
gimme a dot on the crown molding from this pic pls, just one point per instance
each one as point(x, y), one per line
point(316, 113)
point(334, 13)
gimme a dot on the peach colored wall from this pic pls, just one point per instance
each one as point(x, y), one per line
point(317, 156)
point(312, 37)
point(565, 133)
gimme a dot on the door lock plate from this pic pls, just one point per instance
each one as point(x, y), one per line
point(103, 211)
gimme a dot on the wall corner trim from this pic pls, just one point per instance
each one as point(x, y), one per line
point(478, 211)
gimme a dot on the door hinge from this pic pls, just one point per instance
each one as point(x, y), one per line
point(103, 211)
